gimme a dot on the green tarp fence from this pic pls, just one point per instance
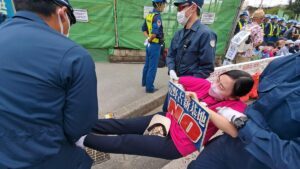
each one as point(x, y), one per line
point(226, 13)
point(99, 32)
point(117, 23)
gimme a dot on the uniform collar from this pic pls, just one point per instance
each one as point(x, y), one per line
point(30, 16)
point(196, 25)
point(155, 11)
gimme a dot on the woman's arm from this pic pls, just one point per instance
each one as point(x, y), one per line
point(222, 123)
point(219, 121)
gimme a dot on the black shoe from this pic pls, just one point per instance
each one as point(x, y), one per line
point(151, 91)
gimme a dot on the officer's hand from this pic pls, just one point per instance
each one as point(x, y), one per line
point(173, 75)
point(230, 114)
point(146, 43)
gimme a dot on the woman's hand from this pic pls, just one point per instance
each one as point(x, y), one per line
point(191, 95)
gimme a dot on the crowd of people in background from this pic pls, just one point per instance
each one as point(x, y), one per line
point(280, 37)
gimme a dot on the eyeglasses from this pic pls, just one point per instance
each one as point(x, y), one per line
point(181, 7)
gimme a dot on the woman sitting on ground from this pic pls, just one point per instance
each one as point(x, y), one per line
point(126, 136)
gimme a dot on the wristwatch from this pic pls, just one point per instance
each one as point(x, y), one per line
point(239, 122)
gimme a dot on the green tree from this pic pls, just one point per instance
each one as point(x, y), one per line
point(294, 7)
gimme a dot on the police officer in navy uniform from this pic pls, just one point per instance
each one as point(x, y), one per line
point(266, 27)
point(241, 23)
point(273, 29)
point(48, 93)
point(281, 27)
point(192, 50)
point(153, 31)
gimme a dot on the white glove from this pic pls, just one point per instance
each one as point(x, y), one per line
point(79, 143)
point(229, 113)
point(173, 75)
point(146, 43)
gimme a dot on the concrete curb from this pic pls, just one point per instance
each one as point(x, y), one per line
point(142, 106)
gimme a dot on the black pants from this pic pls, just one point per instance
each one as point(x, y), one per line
point(129, 139)
point(166, 103)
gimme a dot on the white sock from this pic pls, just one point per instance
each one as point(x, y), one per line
point(79, 143)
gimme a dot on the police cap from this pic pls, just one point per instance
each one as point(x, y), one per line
point(197, 2)
point(70, 11)
point(159, 1)
point(244, 14)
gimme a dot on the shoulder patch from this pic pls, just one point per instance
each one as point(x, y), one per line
point(159, 23)
point(213, 43)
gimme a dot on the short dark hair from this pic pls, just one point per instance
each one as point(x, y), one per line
point(243, 82)
point(198, 12)
point(46, 8)
point(155, 4)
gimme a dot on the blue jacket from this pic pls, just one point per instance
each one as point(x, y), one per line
point(274, 28)
point(48, 93)
point(272, 134)
point(157, 27)
point(192, 51)
point(237, 28)
point(266, 29)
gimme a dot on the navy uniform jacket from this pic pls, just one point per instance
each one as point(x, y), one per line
point(2, 17)
point(237, 28)
point(275, 29)
point(157, 27)
point(272, 134)
point(288, 33)
point(48, 95)
point(192, 52)
point(266, 29)
point(282, 29)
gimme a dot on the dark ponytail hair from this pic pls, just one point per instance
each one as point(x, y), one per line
point(243, 82)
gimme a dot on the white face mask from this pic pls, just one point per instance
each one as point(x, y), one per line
point(62, 26)
point(181, 18)
point(215, 92)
